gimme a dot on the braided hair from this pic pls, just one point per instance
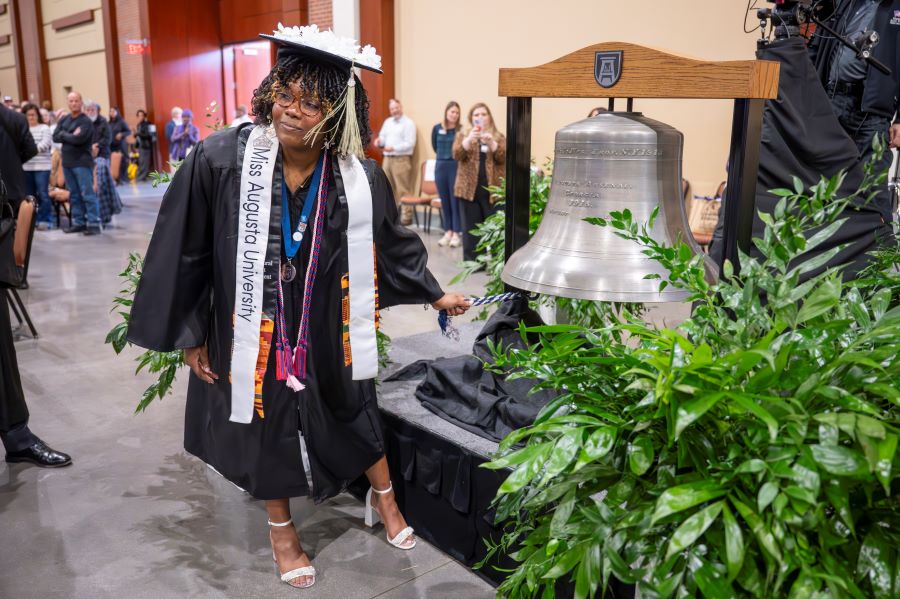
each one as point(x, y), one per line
point(323, 81)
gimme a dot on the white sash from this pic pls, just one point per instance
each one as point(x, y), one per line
point(255, 205)
point(361, 260)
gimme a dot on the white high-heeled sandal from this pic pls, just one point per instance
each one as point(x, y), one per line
point(372, 517)
point(287, 577)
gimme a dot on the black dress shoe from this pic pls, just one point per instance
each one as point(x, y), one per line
point(41, 455)
point(92, 231)
point(76, 229)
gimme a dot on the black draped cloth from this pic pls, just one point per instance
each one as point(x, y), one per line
point(186, 298)
point(487, 403)
point(802, 137)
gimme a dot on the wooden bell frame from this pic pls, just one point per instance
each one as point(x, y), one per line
point(645, 73)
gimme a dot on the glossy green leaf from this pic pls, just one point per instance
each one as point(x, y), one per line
point(823, 298)
point(600, 442)
point(682, 497)
point(568, 560)
point(887, 452)
point(766, 495)
point(691, 529)
point(839, 497)
point(877, 562)
point(800, 494)
point(524, 474)
point(690, 411)
point(516, 457)
point(762, 533)
point(839, 460)
point(562, 514)
point(804, 586)
point(712, 584)
point(751, 466)
point(563, 454)
point(734, 543)
point(870, 426)
point(596, 447)
point(758, 411)
point(640, 454)
point(667, 587)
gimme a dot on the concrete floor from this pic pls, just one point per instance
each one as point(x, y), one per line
point(137, 517)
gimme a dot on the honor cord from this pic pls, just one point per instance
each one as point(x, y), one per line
point(445, 320)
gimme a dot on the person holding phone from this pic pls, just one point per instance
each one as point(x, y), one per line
point(480, 152)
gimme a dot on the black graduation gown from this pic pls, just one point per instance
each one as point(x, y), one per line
point(186, 298)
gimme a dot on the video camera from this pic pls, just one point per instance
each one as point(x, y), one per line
point(790, 18)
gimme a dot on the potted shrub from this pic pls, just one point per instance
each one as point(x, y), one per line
point(751, 451)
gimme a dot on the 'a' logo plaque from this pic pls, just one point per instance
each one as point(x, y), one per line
point(608, 68)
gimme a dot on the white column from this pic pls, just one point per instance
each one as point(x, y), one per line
point(345, 17)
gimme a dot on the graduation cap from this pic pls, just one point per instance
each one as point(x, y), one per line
point(343, 52)
point(325, 46)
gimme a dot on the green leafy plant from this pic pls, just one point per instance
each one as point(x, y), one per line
point(165, 364)
point(750, 452)
point(158, 178)
point(491, 259)
point(383, 342)
point(217, 123)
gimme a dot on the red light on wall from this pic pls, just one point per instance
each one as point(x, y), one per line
point(141, 46)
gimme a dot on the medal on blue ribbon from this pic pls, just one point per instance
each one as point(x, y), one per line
point(293, 240)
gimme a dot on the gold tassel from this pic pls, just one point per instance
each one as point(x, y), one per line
point(345, 108)
point(351, 140)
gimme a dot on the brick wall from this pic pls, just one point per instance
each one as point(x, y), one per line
point(134, 92)
point(320, 13)
point(32, 57)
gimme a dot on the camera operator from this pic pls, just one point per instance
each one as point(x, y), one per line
point(864, 99)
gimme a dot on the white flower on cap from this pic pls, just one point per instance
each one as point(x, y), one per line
point(328, 41)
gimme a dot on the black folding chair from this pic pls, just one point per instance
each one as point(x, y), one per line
point(25, 224)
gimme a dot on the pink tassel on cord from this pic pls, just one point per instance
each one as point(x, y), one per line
point(294, 383)
point(300, 360)
point(281, 365)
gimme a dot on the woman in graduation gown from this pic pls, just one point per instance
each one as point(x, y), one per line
point(201, 286)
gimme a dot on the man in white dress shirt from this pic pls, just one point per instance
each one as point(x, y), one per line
point(397, 140)
point(241, 116)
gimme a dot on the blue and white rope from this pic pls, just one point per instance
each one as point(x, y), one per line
point(445, 321)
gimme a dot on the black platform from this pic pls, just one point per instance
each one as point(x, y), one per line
point(435, 465)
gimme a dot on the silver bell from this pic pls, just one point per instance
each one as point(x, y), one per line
point(610, 162)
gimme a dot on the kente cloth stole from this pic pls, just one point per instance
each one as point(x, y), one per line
point(360, 244)
point(345, 310)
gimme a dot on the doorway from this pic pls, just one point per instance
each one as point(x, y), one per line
point(244, 65)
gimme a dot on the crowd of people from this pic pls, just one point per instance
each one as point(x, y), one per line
point(81, 157)
point(470, 158)
point(79, 148)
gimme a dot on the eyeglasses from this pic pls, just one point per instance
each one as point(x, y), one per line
point(308, 106)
